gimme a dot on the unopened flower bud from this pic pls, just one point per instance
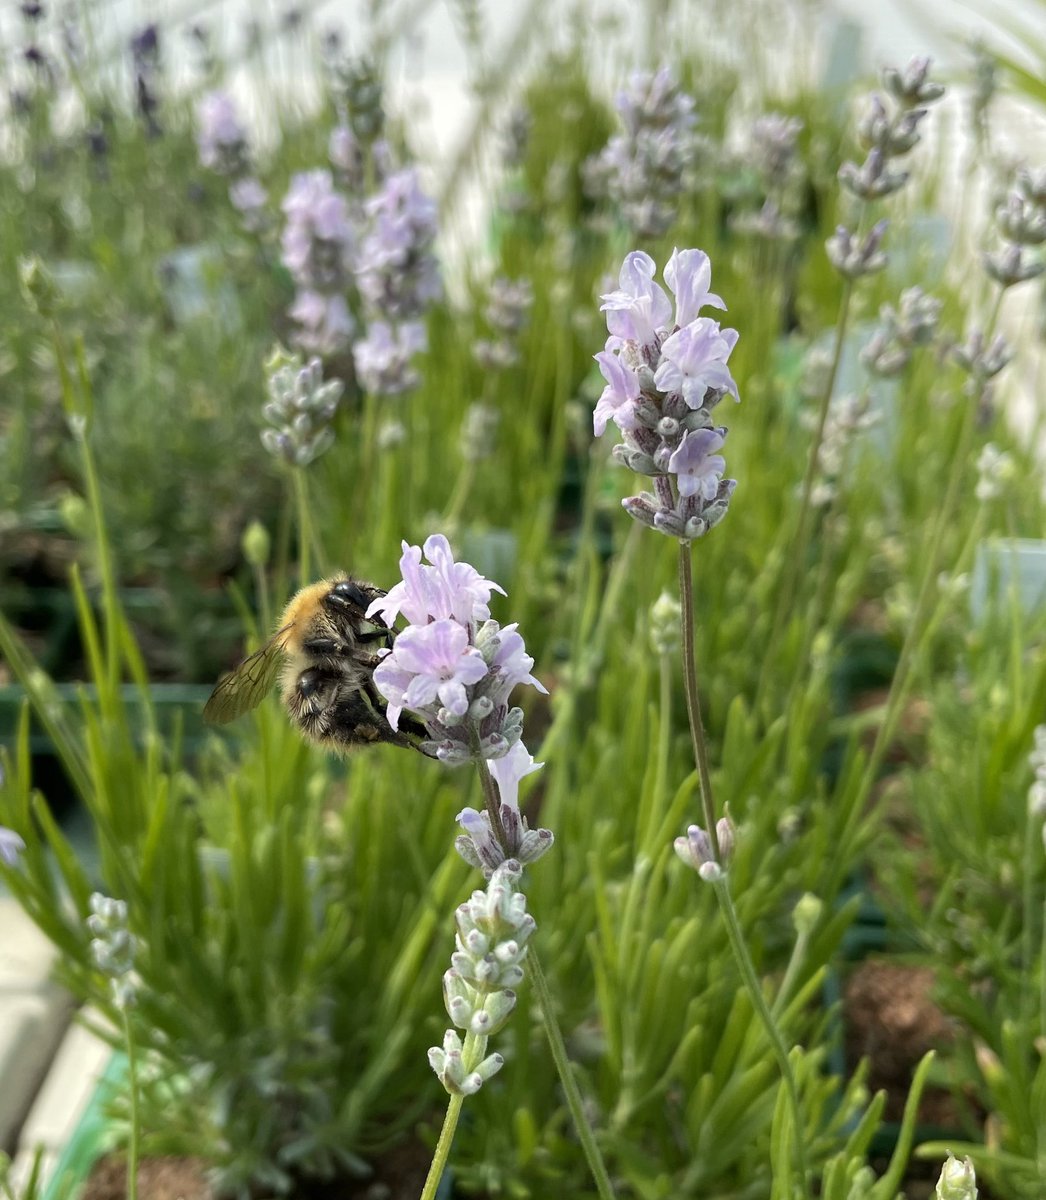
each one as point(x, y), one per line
point(958, 1180)
point(666, 616)
point(807, 913)
point(256, 544)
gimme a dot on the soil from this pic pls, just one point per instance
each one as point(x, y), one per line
point(399, 1176)
point(891, 1019)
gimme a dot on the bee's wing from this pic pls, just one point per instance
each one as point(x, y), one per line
point(248, 684)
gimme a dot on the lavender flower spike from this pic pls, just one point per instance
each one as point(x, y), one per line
point(663, 381)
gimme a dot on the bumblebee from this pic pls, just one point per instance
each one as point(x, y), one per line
point(324, 651)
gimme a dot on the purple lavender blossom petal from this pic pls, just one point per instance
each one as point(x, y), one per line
point(514, 662)
point(688, 274)
point(509, 770)
point(617, 402)
point(693, 360)
point(441, 662)
point(464, 591)
point(639, 308)
point(697, 466)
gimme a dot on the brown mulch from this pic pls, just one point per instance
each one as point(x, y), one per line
point(891, 1019)
point(399, 1176)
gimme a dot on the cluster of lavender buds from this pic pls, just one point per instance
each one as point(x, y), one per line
point(958, 1180)
point(506, 313)
point(300, 409)
point(912, 323)
point(319, 247)
point(664, 377)
point(360, 93)
point(486, 848)
point(981, 360)
point(772, 152)
point(398, 278)
point(145, 57)
point(1021, 223)
point(646, 169)
point(887, 131)
point(452, 666)
point(695, 849)
point(113, 946)
point(493, 930)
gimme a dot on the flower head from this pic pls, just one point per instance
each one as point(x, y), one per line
point(452, 666)
point(662, 382)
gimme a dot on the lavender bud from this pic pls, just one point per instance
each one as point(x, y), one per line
point(854, 260)
point(958, 1180)
point(912, 87)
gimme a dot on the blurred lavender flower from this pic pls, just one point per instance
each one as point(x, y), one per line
point(1020, 221)
point(848, 416)
point(384, 356)
point(995, 470)
point(480, 845)
point(913, 323)
point(852, 258)
point(11, 845)
point(360, 92)
point(774, 138)
point(886, 131)
point(221, 137)
point(772, 147)
point(250, 199)
point(397, 272)
point(493, 930)
point(113, 946)
point(664, 377)
point(319, 245)
point(506, 312)
point(645, 170)
point(300, 409)
point(478, 432)
point(318, 240)
point(347, 157)
point(452, 666)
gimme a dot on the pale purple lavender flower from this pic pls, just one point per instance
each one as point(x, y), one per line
point(639, 308)
point(250, 199)
point(442, 588)
point(901, 330)
point(1021, 224)
point(645, 170)
point(688, 274)
point(618, 400)
point(430, 662)
point(346, 156)
point(773, 139)
point(455, 674)
point(383, 357)
point(693, 362)
point(318, 240)
point(325, 325)
point(11, 845)
point(662, 383)
point(479, 845)
point(220, 134)
point(696, 465)
point(398, 273)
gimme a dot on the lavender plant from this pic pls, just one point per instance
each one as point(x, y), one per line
point(662, 384)
point(455, 668)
